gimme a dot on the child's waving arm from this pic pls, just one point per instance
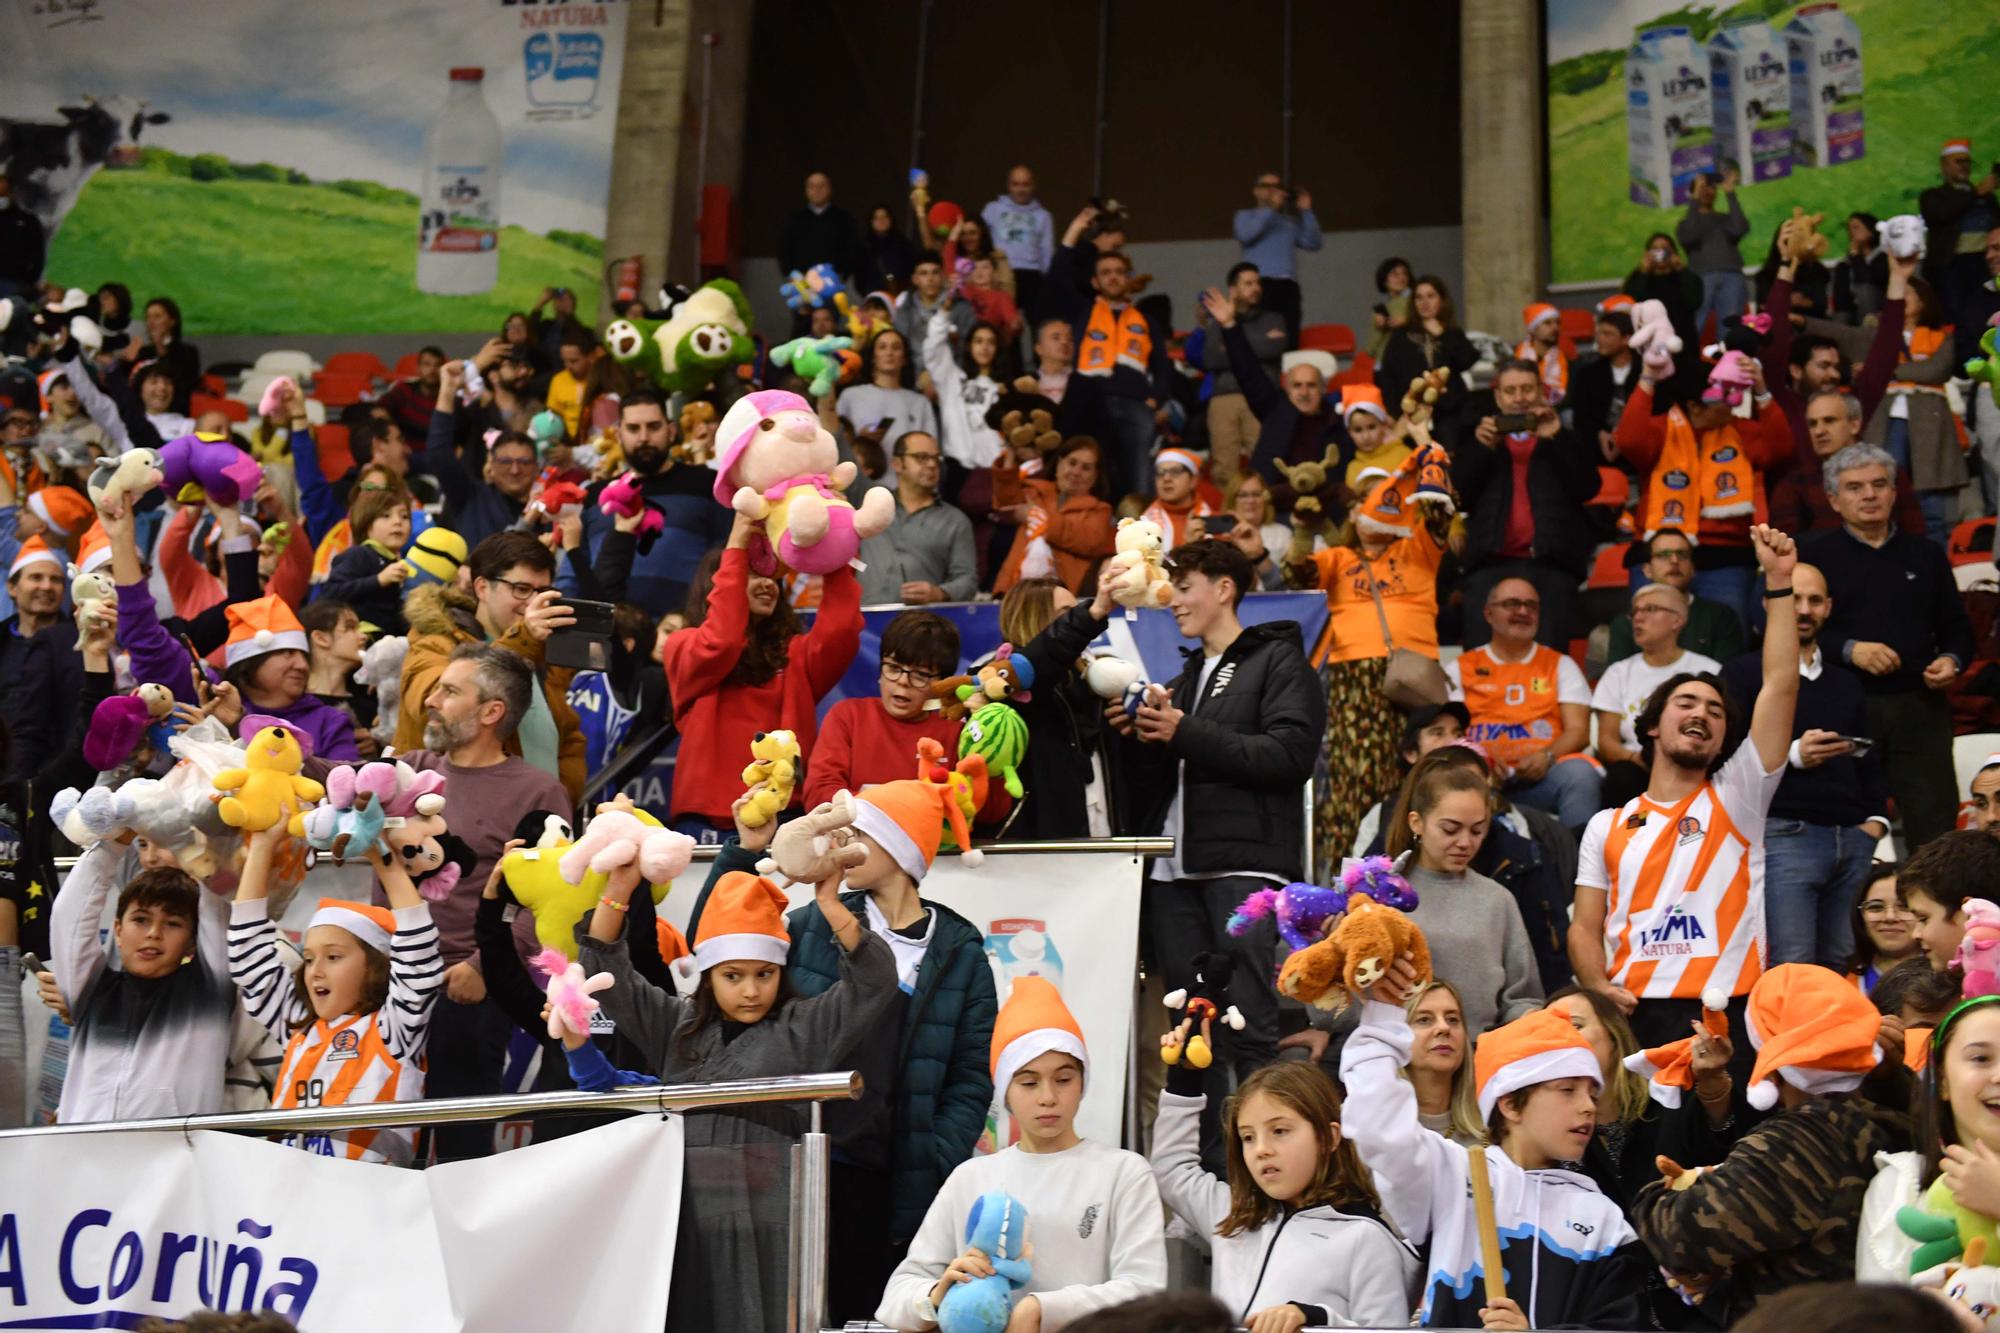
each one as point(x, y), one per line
point(1186, 1186)
point(1380, 1114)
point(254, 963)
point(416, 965)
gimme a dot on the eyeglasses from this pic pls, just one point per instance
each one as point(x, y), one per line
point(920, 458)
point(1515, 605)
point(1674, 556)
point(898, 674)
point(1884, 909)
point(1653, 609)
point(521, 590)
point(513, 462)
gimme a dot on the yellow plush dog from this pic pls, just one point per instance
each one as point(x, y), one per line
point(268, 788)
point(774, 759)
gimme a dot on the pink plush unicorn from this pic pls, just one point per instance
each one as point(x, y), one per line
point(572, 996)
point(779, 466)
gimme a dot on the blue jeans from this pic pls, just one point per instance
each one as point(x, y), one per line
point(1929, 503)
point(1811, 874)
point(1736, 588)
point(1571, 791)
point(1128, 447)
point(1722, 295)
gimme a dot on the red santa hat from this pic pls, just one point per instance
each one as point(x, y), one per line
point(373, 926)
point(1033, 1022)
point(739, 426)
point(1960, 147)
point(266, 625)
point(34, 551)
point(1537, 1048)
point(1811, 1027)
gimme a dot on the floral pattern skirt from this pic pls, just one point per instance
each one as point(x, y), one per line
point(1358, 760)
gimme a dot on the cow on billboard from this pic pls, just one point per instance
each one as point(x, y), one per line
point(49, 162)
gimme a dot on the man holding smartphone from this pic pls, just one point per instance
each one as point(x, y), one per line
point(1827, 817)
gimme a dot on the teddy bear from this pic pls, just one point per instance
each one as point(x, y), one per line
point(1653, 337)
point(201, 468)
point(1310, 477)
point(1799, 236)
point(684, 353)
point(816, 360)
point(1025, 417)
point(616, 838)
point(1987, 367)
point(696, 444)
point(382, 671)
point(268, 788)
point(1137, 576)
point(1205, 1001)
point(774, 760)
point(996, 681)
point(1425, 390)
point(998, 734)
point(997, 1226)
point(134, 474)
point(778, 465)
point(1369, 938)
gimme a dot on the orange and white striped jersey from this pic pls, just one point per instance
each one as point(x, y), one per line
point(1685, 884)
point(352, 1059)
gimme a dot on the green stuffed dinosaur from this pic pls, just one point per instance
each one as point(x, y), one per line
point(1942, 1228)
point(1988, 367)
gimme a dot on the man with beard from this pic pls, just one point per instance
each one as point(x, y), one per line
point(1669, 893)
point(1828, 815)
point(682, 492)
point(471, 713)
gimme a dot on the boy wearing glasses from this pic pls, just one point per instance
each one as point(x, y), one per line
point(865, 741)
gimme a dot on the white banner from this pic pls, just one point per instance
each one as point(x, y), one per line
point(1071, 918)
point(106, 1231)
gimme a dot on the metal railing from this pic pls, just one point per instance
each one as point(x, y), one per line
point(805, 1286)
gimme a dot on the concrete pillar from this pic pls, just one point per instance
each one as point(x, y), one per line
point(1500, 147)
point(655, 196)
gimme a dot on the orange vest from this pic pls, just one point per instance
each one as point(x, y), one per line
point(342, 1062)
point(1514, 705)
point(1698, 477)
point(1112, 340)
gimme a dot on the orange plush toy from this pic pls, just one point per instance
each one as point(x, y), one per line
point(1371, 935)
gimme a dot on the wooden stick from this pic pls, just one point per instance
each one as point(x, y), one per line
point(1489, 1230)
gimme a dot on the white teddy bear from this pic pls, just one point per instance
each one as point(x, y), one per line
point(1136, 574)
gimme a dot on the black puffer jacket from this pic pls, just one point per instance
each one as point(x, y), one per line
point(1247, 747)
point(1562, 479)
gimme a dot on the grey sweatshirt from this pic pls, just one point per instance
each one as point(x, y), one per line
point(1710, 238)
point(1478, 944)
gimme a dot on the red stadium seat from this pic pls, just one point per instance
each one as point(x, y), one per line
point(1335, 338)
point(1607, 569)
point(336, 390)
point(406, 366)
point(335, 458)
point(1578, 326)
point(356, 363)
point(1361, 372)
point(207, 402)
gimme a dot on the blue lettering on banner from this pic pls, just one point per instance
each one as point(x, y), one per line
point(227, 1274)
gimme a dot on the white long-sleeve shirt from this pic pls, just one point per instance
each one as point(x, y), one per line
point(1094, 1218)
point(962, 403)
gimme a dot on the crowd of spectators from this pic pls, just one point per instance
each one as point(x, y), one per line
point(1648, 674)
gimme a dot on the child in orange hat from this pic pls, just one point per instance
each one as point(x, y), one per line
point(927, 1087)
point(744, 1018)
point(1378, 448)
point(1095, 1223)
point(1570, 1258)
point(355, 1016)
point(1784, 1206)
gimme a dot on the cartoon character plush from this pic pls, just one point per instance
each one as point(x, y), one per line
point(556, 496)
point(998, 734)
point(624, 497)
point(1653, 337)
point(774, 760)
point(1205, 1000)
point(708, 331)
point(531, 877)
point(1979, 951)
point(572, 996)
point(1361, 948)
point(134, 474)
point(816, 360)
point(1303, 913)
point(1904, 235)
point(199, 468)
point(997, 1227)
point(1002, 678)
point(1974, 1286)
point(268, 788)
point(340, 831)
point(363, 803)
point(382, 671)
point(1944, 1230)
point(1138, 578)
point(1987, 367)
point(616, 838)
point(1111, 677)
point(1733, 376)
point(778, 465)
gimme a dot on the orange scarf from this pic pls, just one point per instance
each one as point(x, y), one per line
point(1112, 340)
point(1924, 344)
point(1698, 478)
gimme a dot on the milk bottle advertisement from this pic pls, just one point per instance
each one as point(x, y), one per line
point(1836, 107)
point(376, 166)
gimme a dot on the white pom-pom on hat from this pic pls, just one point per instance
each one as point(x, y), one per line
point(1715, 997)
point(1763, 1095)
point(262, 638)
point(971, 858)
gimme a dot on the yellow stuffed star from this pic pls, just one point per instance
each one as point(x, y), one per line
point(535, 882)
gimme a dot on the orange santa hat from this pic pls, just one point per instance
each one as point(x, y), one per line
point(266, 625)
point(1535, 1048)
point(1536, 313)
point(745, 918)
point(66, 512)
point(94, 551)
point(1033, 1022)
point(1811, 1027)
point(907, 818)
point(1669, 1069)
point(372, 925)
point(34, 551)
point(1361, 398)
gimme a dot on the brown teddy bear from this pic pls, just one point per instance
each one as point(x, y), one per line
point(1360, 950)
point(1026, 418)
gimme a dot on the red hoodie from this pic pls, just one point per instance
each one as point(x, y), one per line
point(717, 720)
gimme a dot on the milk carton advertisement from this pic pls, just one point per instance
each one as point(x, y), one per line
point(1751, 83)
point(1669, 131)
point(1823, 47)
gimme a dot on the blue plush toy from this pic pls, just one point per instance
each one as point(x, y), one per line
point(998, 1228)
